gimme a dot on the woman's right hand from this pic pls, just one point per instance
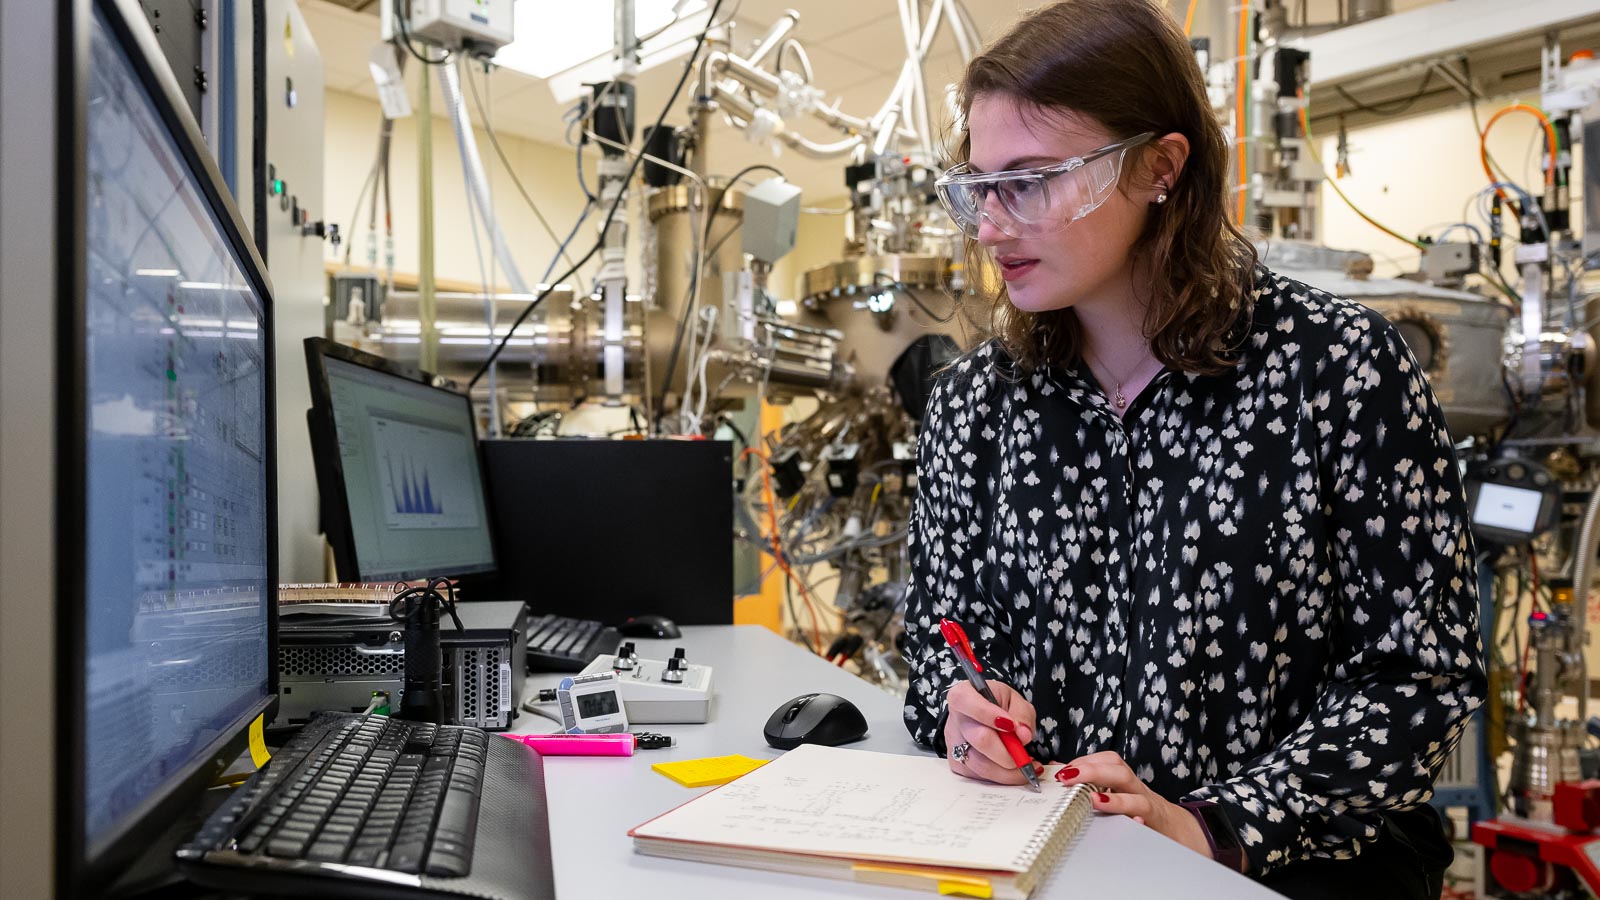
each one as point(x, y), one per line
point(974, 720)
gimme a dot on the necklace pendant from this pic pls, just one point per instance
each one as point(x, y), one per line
point(1119, 401)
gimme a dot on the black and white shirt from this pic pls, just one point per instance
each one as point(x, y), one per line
point(1257, 587)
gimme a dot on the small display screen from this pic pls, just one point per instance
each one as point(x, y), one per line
point(592, 706)
point(1511, 508)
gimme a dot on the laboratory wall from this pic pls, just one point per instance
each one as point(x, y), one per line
point(1416, 174)
point(547, 171)
point(352, 139)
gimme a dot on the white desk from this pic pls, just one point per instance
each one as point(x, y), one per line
point(593, 801)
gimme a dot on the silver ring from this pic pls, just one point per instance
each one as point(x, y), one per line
point(959, 752)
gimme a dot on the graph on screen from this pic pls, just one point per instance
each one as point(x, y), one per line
point(427, 475)
point(411, 489)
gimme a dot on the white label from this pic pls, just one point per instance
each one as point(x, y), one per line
point(505, 686)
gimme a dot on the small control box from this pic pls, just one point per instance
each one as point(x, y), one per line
point(658, 692)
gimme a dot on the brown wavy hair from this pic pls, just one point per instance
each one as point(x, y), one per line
point(1127, 65)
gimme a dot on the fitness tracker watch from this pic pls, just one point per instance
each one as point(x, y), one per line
point(1220, 834)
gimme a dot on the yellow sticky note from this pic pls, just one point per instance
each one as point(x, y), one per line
point(709, 771)
point(965, 887)
point(258, 743)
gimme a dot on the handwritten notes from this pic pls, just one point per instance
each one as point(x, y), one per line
point(858, 804)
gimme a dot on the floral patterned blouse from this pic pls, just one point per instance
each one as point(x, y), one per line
point(1257, 587)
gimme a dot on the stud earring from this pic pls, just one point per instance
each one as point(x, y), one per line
point(1160, 199)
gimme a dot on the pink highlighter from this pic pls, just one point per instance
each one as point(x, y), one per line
point(620, 744)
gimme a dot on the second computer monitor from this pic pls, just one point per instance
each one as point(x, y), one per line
point(398, 469)
point(605, 530)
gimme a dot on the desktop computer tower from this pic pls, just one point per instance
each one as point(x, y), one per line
point(336, 663)
point(604, 530)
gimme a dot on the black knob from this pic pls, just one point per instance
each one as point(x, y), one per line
point(627, 649)
point(675, 664)
point(678, 653)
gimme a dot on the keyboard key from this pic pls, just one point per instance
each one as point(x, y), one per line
point(325, 850)
point(287, 846)
point(448, 859)
point(458, 814)
point(406, 856)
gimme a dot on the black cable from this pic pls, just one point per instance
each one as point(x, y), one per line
point(1472, 104)
point(1404, 102)
point(758, 167)
point(724, 239)
point(583, 185)
point(405, 40)
point(899, 288)
point(494, 141)
point(1516, 408)
point(611, 213)
point(694, 279)
point(744, 442)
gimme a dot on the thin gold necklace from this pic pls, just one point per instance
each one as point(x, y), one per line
point(1118, 399)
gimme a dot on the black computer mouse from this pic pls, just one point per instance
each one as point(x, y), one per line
point(826, 719)
point(649, 626)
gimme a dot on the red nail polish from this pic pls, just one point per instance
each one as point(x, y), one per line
point(1103, 798)
point(1066, 774)
point(1005, 724)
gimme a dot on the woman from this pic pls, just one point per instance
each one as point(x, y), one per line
point(1203, 523)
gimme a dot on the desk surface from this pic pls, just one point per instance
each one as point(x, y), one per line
point(594, 801)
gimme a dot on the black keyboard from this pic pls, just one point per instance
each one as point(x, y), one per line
point(361, 791)
point(560, 644)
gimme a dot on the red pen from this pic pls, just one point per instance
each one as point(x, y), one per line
point(956, 637)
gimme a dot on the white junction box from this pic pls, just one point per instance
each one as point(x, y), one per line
point(649, 700)
point(484, 24)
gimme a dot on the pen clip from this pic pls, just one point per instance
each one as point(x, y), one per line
point(956, 637)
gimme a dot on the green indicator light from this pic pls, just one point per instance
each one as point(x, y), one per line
point(277, 187)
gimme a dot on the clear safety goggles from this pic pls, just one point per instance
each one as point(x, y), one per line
point(1034, 202)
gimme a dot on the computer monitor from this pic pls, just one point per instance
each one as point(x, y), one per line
point(163, 507)
point(645, 527)
point(397, 467)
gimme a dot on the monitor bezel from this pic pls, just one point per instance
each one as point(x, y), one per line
point(336, 518)
point(81, 869)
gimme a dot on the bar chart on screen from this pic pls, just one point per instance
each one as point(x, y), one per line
point(426, 473)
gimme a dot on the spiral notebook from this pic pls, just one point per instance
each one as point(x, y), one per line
point(882, 818)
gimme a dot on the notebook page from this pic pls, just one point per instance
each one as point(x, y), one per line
point(859, 804)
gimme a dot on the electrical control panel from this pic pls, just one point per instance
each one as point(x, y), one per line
point(479, 26)
point(658, 692)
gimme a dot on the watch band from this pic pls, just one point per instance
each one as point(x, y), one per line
point(1220, 836)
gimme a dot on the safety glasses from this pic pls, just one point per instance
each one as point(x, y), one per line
point(1034, 202)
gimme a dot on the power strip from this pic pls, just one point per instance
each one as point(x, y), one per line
point(648, 700)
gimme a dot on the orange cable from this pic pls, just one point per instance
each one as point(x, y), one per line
point(1549, 134)
point(777, 549)
point(1188, 19)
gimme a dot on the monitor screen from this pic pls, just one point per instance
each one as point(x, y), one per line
point(412, 485)
point(1504, 506)
point(177, 516)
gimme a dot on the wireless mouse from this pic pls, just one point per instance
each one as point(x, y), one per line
point(826, 719)
point(650, 626)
